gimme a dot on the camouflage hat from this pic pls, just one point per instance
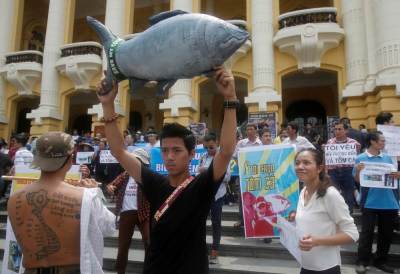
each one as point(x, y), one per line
point(142, 155)
point(52, 151)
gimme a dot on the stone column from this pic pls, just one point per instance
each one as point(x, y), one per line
point(6, 18)
point(180, 95)
point(49, 94)
point(387, 42)
point(263, 55)
point(114, 20)
point(355, 47)
point(370, 82)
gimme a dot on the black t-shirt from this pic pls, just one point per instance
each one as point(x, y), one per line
point(178, 239)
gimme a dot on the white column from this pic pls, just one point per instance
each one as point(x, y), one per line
point(370, 82)
point(114, 20)
point(263, 55)
point(355, 47)
point(49, 94)
point(180, 93)
point(387, 42)
point(6, 19)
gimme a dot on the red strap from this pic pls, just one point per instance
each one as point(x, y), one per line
point(168, 202)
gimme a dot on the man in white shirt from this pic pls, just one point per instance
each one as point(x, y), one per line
point(294, 139)
point(23, 156)
point(251, 140)
point(152, 139)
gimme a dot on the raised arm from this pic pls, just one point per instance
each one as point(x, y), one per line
point(226, 87)
point(113, 134)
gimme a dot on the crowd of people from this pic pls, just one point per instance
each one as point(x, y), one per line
point(171, 211)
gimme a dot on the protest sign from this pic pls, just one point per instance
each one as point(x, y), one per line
point(289, 237)
point(340, 154)
point(107, 158)
point(330, 125)
point(233, 168)
point(12, 258)
point(269, 186)
point(198, 129)
point(83, 158)
point(264, 119)
point(392, 140)
point(376, 175)
point(157, 164)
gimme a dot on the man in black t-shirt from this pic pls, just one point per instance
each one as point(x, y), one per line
point(178, 235)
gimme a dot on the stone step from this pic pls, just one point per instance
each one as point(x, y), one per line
point(256, 248)
point(227, 264)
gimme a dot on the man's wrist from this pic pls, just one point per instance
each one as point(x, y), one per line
point(230, 98)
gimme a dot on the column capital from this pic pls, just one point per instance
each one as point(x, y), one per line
point(44, 112)
point(261, 97)
point(98, 110)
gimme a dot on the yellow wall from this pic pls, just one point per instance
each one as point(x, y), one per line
point(32, 14)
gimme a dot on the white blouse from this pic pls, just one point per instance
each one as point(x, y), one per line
point(324, 217)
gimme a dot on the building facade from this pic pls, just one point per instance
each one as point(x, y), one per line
point(306, 60)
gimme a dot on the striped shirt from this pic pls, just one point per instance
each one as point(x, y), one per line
point(348, 140)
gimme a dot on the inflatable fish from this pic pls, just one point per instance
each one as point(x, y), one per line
point(177, 45)
point(278, 202)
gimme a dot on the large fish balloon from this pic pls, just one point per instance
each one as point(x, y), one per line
point(177, 45)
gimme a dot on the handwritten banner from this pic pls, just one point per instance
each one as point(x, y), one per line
point(107, 158)
point(269, 186)
point(340, 154)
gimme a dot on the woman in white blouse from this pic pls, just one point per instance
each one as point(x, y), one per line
point(322, 218)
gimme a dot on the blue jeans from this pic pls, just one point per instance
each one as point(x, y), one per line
point(343, 179)
point(216, 215)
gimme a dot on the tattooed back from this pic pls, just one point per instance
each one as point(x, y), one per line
point(46, 222)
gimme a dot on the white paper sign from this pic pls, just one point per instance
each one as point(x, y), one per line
point(377, 175)
point(83, 158)
point(392, 140)
point(340, 154)
point(289, 238)
point(107, 158)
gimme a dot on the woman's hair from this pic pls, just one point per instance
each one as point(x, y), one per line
point(324, 179)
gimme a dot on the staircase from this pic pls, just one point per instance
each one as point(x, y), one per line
point(237, 255)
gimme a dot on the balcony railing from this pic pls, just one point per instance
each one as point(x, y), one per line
point(239, 23)
point(301, 17)
point(81, 48)
point(24, 56)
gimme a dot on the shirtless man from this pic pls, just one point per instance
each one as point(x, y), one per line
point(59, 227)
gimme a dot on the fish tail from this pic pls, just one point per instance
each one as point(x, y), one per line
point(105, 35)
